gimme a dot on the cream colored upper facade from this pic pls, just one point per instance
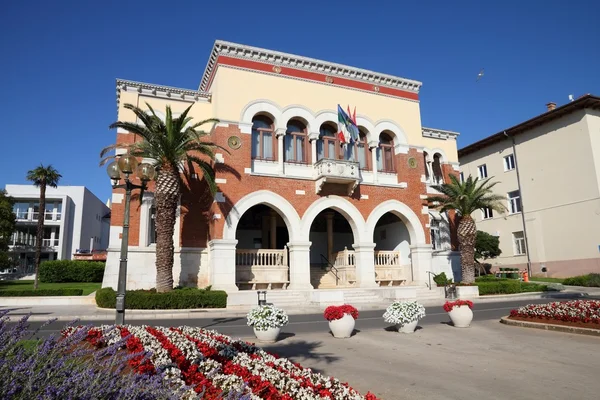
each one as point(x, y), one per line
point(559, 166)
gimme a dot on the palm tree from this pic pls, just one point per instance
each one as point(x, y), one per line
point(170, 143)
point(42, 177)
point(465, 198)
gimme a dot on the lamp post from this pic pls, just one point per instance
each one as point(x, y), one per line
point(126, 165)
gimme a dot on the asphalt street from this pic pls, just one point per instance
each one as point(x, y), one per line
point(308, 323)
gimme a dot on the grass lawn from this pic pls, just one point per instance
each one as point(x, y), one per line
point(87, 287)
point(549, 280)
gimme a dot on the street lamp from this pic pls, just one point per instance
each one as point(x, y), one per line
point(262, 297)
point(126, 165)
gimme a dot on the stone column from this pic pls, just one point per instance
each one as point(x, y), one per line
point(373, 144)
point(299, 266)
point(329, 218)
point(313, 137)
point(273, 229)
point(421, 257)
point(222, 264)
point(280, 134)
point(365, 264)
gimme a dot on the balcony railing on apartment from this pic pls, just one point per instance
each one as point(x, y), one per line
point(337, 171)
point(50, 242)
point(33, 216)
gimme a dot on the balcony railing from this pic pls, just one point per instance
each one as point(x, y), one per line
point(33, 216)
point(337, 171)
point(388, 270)
point(50, 242)
point(261, 268)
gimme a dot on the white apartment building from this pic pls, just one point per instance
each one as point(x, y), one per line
point(75, 220)
point(557, 155)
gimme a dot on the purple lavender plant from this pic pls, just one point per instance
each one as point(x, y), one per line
point(59, 368)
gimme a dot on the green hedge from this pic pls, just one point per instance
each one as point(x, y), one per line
point(41, 292)
point(71, 271)
point(175, 299)
point(508, 287)
point(589, 280)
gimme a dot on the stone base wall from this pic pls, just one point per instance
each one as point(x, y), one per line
point(559, 269)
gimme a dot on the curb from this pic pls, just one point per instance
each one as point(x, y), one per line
point(551, 327)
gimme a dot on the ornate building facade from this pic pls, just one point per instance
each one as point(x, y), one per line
point(296, 211)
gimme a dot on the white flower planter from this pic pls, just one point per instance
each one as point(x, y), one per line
point(407, 328)
point(461, 316)
point(268, 336)
point(343, 327)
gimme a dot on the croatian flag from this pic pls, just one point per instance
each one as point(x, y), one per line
point(348, 130)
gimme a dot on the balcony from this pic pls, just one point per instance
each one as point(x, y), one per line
point(50, 242)
point(343, 172)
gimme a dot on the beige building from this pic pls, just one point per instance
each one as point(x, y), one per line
point(558, 155)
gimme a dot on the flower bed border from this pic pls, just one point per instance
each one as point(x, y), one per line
point(545, 325)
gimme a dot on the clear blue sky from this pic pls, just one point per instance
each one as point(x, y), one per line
point(60, 60)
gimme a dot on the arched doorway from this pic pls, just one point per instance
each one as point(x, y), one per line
point(332, 260)
point(261, 258)
point(392, 250)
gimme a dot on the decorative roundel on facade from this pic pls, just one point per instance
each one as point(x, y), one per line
point(234, 142)
point(329, 79)
point(376, 88)
point(277, 69)
point(412, 162)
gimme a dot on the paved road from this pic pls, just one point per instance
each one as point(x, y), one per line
point(312, 323)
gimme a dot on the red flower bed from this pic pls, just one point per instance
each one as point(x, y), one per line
point(337, 312)
point(577, 312)
point(451, 304)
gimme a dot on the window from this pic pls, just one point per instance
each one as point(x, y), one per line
point(152, 228)
point(461, 177)
point(295, 142)
point(487, 213)
point(482, 171)
point(436, 240)
point(438, 177)
point(509, 162)
point(385, 153)
point(514, 202)
point(519, 243)
point(427, 164)
point(21, 210)
point(263, 138)
point(327, 144)
point(362, 151)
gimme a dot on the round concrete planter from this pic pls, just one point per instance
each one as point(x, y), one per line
point(461, 316)
point(343, 327)
point(407, 328)
point(268, 336)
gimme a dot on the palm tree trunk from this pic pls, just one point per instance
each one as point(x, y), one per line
point(467, 233)
point(166, 198)
point(39, 234)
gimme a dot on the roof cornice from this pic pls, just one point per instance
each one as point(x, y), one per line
point(302, 63)
point(439, 134)
point(168, 92)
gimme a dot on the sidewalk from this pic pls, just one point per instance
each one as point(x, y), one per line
point(92, 313)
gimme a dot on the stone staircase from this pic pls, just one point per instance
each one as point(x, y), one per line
point(423, 293)
point(321, 278)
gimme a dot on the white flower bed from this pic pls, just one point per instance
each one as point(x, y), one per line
point(264, 317)
point(404, 312)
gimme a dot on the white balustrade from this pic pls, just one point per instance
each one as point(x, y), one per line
point(262, 268)
point(388, 268)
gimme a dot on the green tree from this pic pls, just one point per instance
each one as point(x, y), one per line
point(42, 177)
point(486, 246)
point(7, 227)
point(170, 143)
point(465, 198)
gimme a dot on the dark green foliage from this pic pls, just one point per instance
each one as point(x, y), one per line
point(507, 286)
point(486, 246)
point(176, 299)
point(71, 271)
point(442, 279)
point(7, 227)
point(589, 280)
point(41, 292)
point(511, 273)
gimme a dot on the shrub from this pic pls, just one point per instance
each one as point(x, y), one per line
point(442, 279)
point(589, 280)
point(337, 312)
point(41, 292)
point(53, 369)
point(507, 286)
point(175, 299)
point(265, 317)
point(71, 271)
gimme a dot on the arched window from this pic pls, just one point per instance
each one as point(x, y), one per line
point(152, 226)
point(362, 150)
point(438, 176)
point(296, 142)
point(427, 165)
point(328, 143)
point(263, 138)
point(385, 153)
